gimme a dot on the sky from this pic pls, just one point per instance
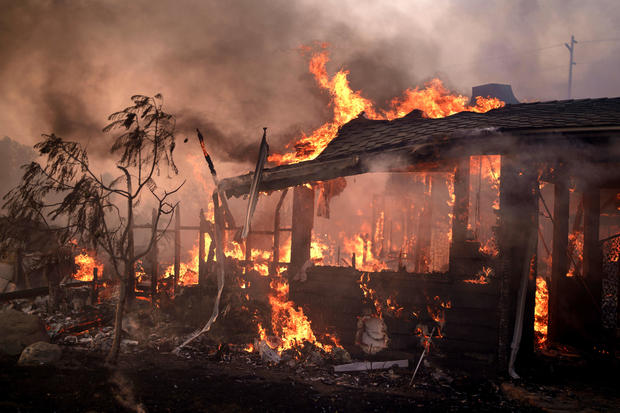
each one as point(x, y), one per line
point(232, 67)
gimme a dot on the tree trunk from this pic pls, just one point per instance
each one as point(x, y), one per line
point(118, 322)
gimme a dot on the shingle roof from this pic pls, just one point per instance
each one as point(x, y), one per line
point(424, 139)
point(362, 135)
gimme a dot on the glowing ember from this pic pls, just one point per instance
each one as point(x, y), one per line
point(434, 100)
point(482, 277)
point(576, 240)
point(541, 312)
point(86, 264)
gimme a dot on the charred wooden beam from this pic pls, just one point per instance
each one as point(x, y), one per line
point(592, 255)
point(201, 247)
point(303, 221)
point(35, 292)
point(460, 215)
point(559, 264)
point(518, 211)
point(276, 233)
point(154, 260)
point(177, 248)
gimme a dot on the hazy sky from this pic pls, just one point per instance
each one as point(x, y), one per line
point(232, 67)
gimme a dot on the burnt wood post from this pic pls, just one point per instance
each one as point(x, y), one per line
point(154, 258)
point(559, 257)
point(202, 229)
point(423, 246)
point(177, 248)
point(592, 255)
point(518, 210)
point(302, 222)
point(460, 214)
point(276, 233)
point(248, 251)
point(94, 290)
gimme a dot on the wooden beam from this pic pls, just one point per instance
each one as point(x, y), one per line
point(276, 233)
point(154, 260)
point(177, 248)
point(303, 221)
point(460, 214)
point(592, 255)
point(518, 211)
point(559, 263)
point(201, 247)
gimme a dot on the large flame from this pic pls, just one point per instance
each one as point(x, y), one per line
point(541, 312)
point(434, 100)
point(86, 263)
point(290, 325)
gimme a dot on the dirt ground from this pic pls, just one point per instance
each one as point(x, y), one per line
point(234, 382)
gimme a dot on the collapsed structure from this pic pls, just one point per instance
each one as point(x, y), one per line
point(438, 249)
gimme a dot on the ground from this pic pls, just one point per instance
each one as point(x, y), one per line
point(233, 382)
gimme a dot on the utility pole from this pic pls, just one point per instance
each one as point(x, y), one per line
point(570, 48)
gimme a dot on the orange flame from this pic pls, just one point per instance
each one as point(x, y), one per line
point(86, 264)
point(434, 100)
point(541, 312)
point(288, 323)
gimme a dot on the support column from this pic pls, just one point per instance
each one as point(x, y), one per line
point(559, 263)
point(460, 214)
point(276, 234)
point(202, 224)
point(177, 248)
point(518, 211)
point(154, 258)
point(592, 255)
point(423, 246)
point(303, 220)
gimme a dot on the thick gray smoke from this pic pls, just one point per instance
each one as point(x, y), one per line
point(234, 67)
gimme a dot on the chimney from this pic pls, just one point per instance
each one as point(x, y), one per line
point(494, 90)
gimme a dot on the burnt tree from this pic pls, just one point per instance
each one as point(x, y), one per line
point(67, 189)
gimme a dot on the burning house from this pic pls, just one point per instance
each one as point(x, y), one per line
point(446, 227)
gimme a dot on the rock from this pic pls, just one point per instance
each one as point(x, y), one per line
point(340, 355)
point(39, 354)
point(19, 330)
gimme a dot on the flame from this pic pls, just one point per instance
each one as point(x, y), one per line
point(389, 304)
point(290, 324)
point(482, 276)
point(188, 271)
point(576, 240)
point(365, 260)
point(541, 312)
point(86, 264)
point(434, 100)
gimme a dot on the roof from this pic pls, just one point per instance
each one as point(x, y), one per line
point(420, 139)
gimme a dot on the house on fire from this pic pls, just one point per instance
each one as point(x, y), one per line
point(537, 183)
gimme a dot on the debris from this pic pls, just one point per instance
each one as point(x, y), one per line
point(39, 354)
point(370, 365)
point(340, 355)
point(263, 152)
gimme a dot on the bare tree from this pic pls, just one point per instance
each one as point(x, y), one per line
point(65, 188)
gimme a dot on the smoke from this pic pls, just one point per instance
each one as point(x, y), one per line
point(235, 67)
point(231, 68)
